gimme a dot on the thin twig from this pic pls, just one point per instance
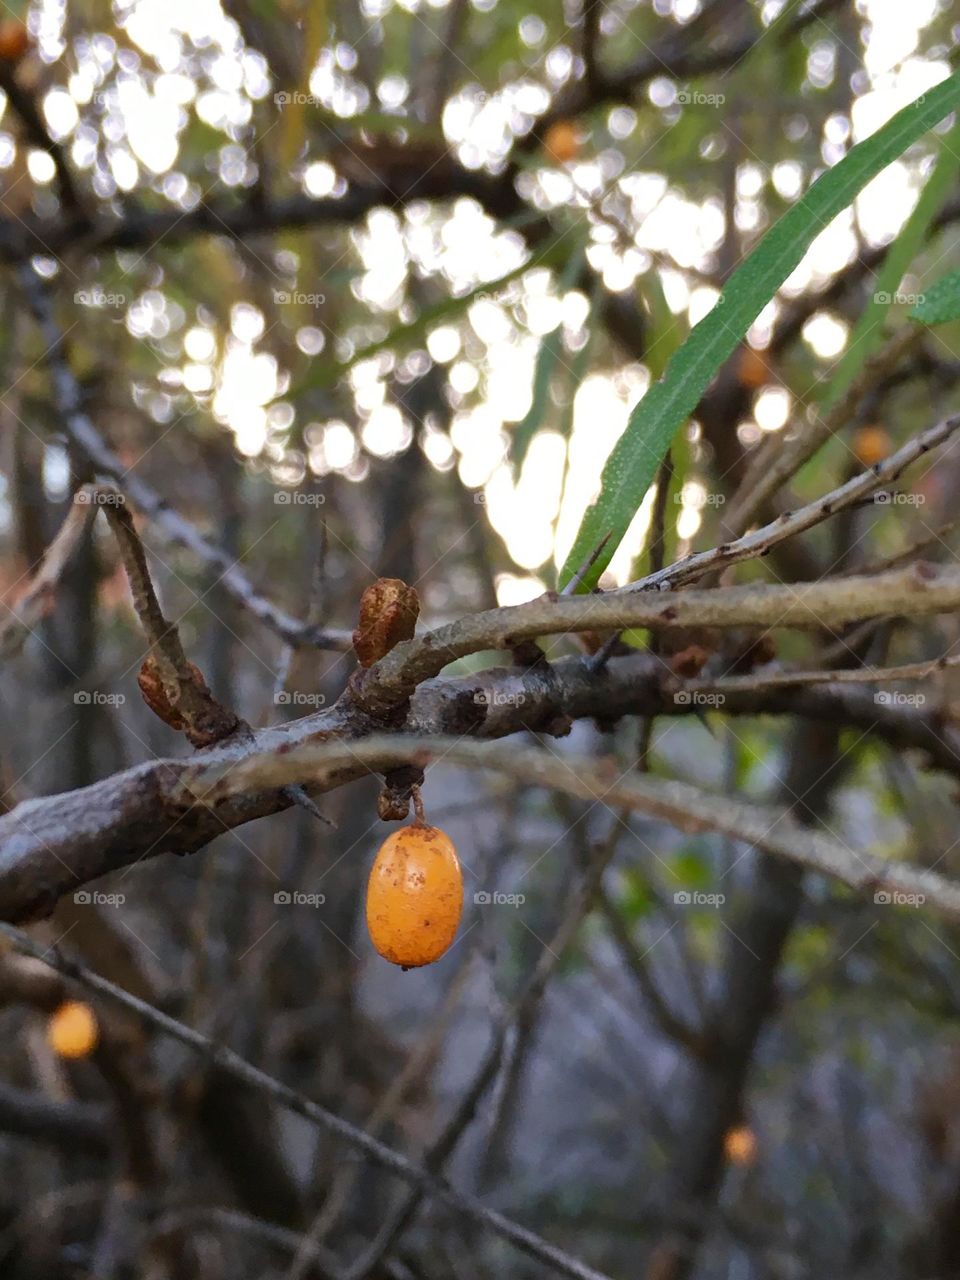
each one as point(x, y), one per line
point(790, 523)
point(377, 1152)
point(74, 420)
point(38, 598)
point(689, 808)
point(183, 691)
point(917, 590)
point(581, 573)
point(443, 1146)
point(758, 681)
point(778, 459)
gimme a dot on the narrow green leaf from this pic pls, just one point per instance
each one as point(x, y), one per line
point(548, 357)
point(867, 337)
point(941, 302)
point(636, 456)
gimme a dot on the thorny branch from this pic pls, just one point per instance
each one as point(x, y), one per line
point(231, 1063)
point(787, 525)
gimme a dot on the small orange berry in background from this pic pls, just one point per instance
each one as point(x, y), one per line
point(561, 142)
point(740, 1145)
point(415, 895)
point(72, 1031)
point(871, 445)
point(753, 368)
point(14, 40)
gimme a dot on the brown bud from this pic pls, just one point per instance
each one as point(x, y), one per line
point(154, 695)
point(753, 651)
point(388, 614)
point(212, 724)
point(690, 661)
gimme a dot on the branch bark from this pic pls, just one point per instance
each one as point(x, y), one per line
point(55, 844)
point(920, 589)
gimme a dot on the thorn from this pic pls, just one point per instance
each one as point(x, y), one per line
point(597, 661)
point(299, 796)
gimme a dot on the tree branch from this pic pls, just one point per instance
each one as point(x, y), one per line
point(686, 807)
point(917, 590)
point(790, 523)
point(52, 845)
point(376, 1152)
point(68, 400)
point(38, 598)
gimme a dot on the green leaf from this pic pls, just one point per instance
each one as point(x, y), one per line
point(867, 337)
point(548, 357)
point(941, 302)
point(635, 457)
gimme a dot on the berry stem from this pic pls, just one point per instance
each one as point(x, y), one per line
point(419, 820)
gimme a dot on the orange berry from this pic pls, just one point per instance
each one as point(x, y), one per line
point(414, 896)
point(740, 1145)
point(871, 445)
point(14, 40)
point(72, 1031)
point(753, 368)
point(561, 142)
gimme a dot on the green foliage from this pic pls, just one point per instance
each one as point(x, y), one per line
point(868, 334)
point(633, 462)
point(635, 902)
point(549, 358)
point(941, 302)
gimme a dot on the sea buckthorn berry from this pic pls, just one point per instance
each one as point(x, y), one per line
point(871, 445)
point(72, 1030)
point(740, 1145)
point(14, 40)
point(753, 368)
point(561, 142)
point(414, 896)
